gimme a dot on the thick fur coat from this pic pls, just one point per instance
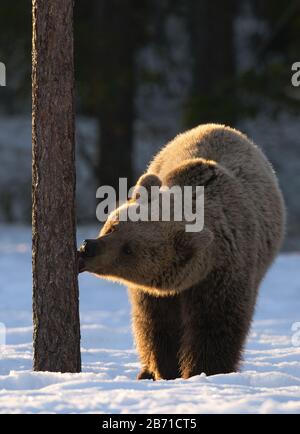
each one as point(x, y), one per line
point(193, 294)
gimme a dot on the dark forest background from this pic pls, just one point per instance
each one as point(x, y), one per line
point(148, 69)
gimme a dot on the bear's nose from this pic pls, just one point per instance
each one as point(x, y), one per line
point(88, 248)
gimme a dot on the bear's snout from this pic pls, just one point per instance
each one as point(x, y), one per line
point(88, 248)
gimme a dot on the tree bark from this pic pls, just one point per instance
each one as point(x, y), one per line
point(56, 337)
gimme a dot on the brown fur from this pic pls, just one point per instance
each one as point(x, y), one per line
point(193, 294)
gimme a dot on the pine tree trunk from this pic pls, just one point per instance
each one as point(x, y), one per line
point(55, 287)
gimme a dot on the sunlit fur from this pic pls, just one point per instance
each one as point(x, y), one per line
point(193, 294)
point(164, 259)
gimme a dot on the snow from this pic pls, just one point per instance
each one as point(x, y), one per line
point(268, 383)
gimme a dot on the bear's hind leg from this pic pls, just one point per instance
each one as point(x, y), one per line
point(214, 332)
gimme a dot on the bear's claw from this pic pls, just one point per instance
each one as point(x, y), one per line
point(145, 375)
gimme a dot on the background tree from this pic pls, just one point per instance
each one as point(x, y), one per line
point(113, 33)
point(211, 32)
point(55, 287)
point(275, 50)
point(15, 46)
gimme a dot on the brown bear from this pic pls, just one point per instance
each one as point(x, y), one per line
point(193, 294)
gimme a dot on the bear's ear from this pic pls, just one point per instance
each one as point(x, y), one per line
point(187, 243)
point(145, 183)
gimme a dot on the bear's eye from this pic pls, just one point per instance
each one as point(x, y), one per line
point(126, 249)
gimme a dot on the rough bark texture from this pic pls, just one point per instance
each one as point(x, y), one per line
point(55, 286)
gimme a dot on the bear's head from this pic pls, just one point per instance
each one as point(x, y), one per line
point(156, 256)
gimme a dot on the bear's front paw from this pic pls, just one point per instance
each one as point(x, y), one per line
point(145, 375)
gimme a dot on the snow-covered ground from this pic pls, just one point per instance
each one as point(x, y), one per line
point(269, 381)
